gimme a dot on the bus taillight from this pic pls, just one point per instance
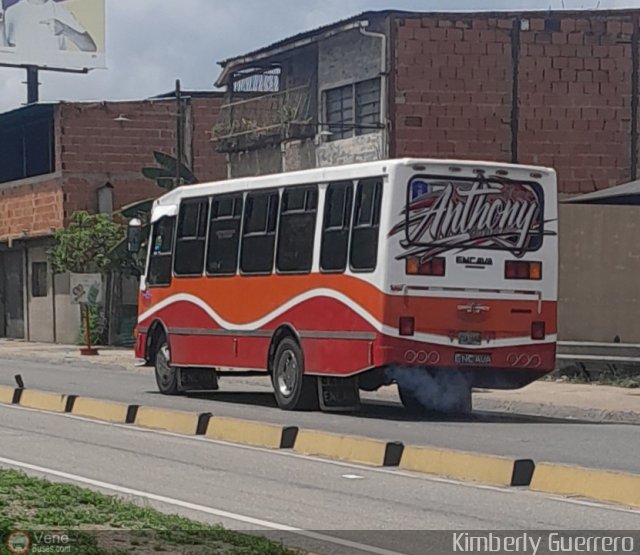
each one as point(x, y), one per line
point(432, 267)
point(538, 330)
point(516, 269)
point(407, 325)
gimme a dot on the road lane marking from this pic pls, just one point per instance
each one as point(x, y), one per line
point(388, 471)
point(195, 507)
point(352, 477)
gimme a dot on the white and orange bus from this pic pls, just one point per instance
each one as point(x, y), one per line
point(345, 278)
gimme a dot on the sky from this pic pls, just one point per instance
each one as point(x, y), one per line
point(151, 43)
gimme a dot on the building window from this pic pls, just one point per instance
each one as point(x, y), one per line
point(191, 237)
point(224, 235)
point(105, 200)
point(259, 233)
point(335, 227)
point(366, 225)
point(297, 229)
point(39, 279)
point(161, 254)
point(353, 109)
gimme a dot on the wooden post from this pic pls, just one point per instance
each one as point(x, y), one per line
point(88, 350)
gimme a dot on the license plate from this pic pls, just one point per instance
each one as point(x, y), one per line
point(472, 359)
point(469, 338)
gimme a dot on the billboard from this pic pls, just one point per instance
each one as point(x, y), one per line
point(65, 34)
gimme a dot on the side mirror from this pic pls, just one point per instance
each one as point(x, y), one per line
point(134, 236)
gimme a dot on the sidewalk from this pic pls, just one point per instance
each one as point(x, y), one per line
point(598, 403)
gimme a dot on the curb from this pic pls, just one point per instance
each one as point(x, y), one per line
point(603, 485)
point(8, 395)
point(108, 411)
point(43, 400)
point(373, 452)
point(177, 421)
point(461, 465)
point(550, 411)
point(600, 485)
point(253, 433)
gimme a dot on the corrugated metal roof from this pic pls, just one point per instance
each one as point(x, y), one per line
point(626, 194)
point(404, 13)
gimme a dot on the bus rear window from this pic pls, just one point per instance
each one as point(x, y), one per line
point(445, 212)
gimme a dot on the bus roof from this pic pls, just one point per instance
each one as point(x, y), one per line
point(318, 175)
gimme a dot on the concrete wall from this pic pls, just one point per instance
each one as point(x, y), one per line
point(454, 91)
point(263, 161)
point(363, 148)
point(344, 59)
point(599, 273)
point(68, 316)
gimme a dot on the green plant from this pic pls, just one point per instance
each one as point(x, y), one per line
point(167, 173)
point(97, 325)
point(85, 246)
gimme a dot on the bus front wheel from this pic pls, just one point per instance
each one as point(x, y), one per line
point(166, 375)
point(293, 389)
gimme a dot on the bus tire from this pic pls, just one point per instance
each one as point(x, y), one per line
point(293, 389)
point(167, 376)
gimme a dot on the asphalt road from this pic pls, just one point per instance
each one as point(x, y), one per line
point(598, 445)
point(279, 493)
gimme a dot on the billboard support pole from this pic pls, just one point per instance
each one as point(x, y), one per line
point(32, 85)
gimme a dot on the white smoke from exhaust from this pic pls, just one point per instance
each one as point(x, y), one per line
point(440, 390)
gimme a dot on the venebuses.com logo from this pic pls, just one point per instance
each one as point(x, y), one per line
point(18, 542)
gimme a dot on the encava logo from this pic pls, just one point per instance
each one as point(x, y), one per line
point(465, 215)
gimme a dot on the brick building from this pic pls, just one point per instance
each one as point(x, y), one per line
point(58, 158)
point(554, 88)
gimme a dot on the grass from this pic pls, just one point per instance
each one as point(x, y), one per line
point(98, 524)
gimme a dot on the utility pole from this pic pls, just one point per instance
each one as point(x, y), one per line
point(179, 133)
point(33, 85)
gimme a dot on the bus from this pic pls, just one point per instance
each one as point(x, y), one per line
point(439, 276)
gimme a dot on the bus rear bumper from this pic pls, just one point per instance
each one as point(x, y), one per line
point(504, 367)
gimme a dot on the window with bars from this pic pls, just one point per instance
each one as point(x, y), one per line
point(353, 109)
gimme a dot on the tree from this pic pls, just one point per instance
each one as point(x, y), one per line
point(86, 245)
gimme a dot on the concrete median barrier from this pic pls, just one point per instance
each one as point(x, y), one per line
point(109, 411)
point(7, 394)
point(354, 449)
point(44, 400)
point(601, 485)
point(464, 466)
point(177, 421)
point(248, 432)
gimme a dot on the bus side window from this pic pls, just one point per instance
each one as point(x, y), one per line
point(297, 229)
point(366, 225)
point(191, 236)
point(159, 271)
point(259, 232)
point(224, 235)
point(335, 227)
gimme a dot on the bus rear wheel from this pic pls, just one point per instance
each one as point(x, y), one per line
point(293, 389)
point(167, 376)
